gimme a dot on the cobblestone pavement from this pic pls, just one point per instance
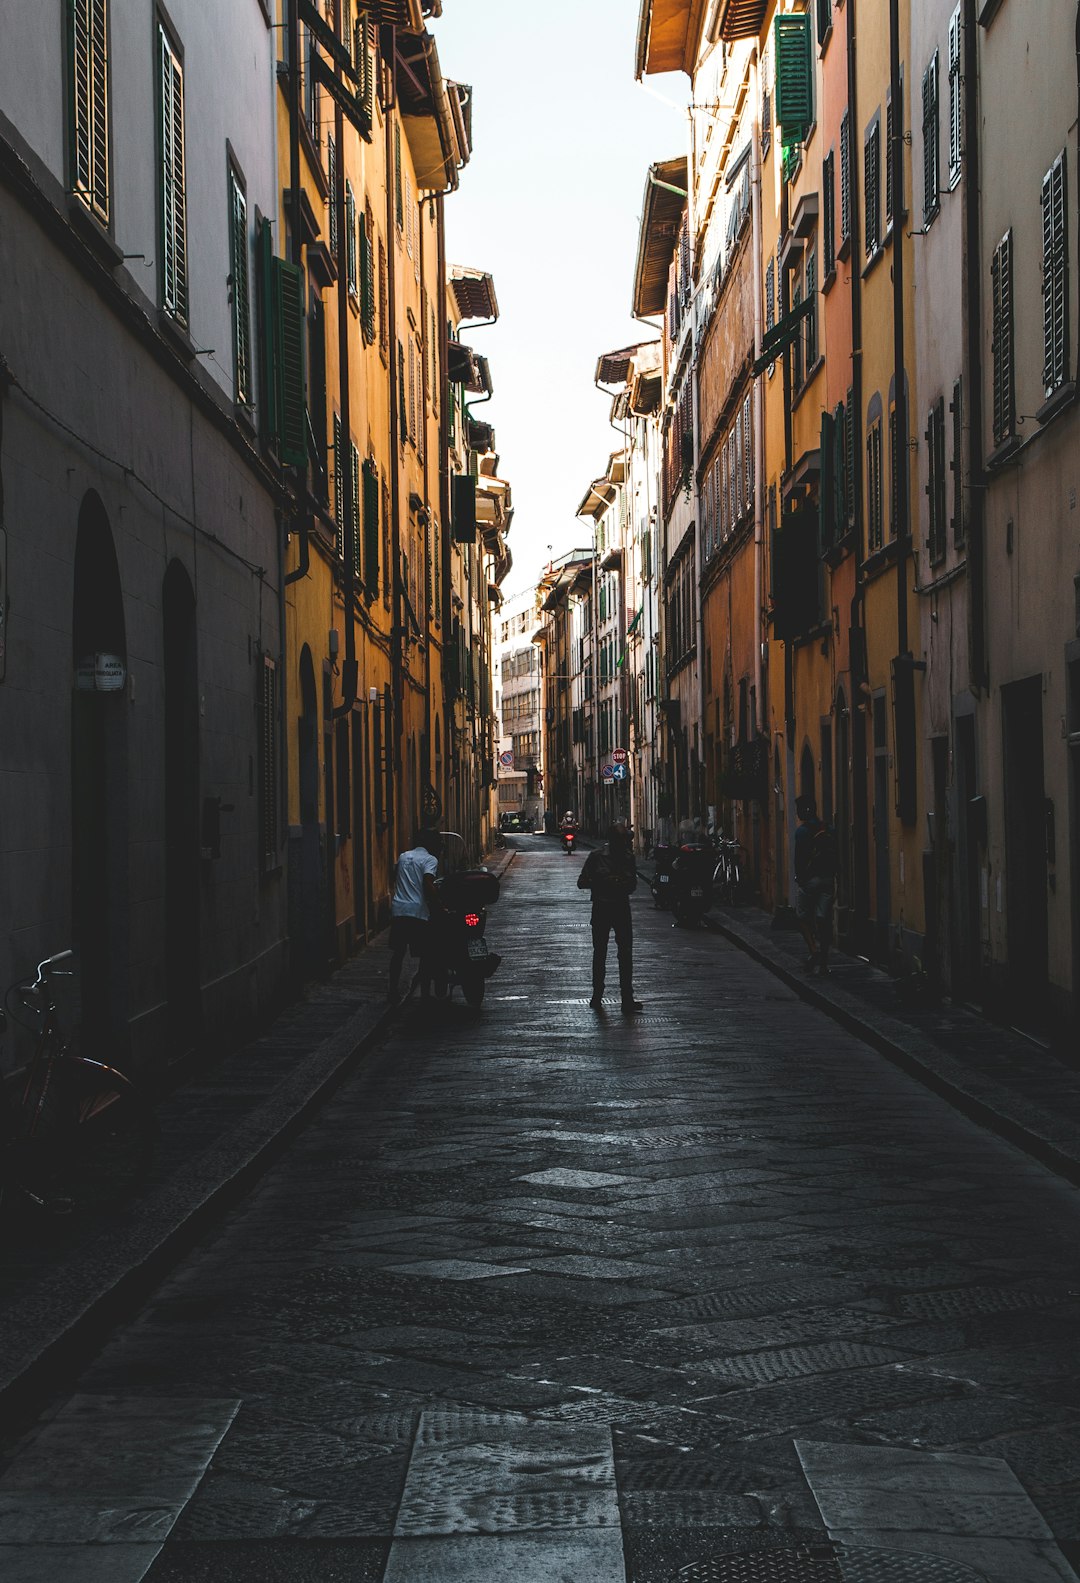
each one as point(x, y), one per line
point(559, 1297)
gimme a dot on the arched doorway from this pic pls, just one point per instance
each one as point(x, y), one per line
point(99, 788)
point(182, 840)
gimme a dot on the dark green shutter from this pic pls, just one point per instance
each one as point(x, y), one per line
point(367, 281)
point(241, 291)
point(399, 197)
point(794, 76)
point(371, 527)
point(354, 508)
point(287, 294)
point(268, 379)
point(338, 474)
point(827, 524)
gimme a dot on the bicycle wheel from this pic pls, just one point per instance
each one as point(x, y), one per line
point(110, 1133)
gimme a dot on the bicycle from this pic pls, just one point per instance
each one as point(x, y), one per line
point(73, 1131)
point(727, 875)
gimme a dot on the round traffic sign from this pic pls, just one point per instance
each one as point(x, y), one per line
point(619, 755)
point(607, 772)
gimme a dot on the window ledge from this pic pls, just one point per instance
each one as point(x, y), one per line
point(929, 217)
point(874, 260)
point(840, 549)
point(880, 560)
point(1064, 396)
point(843, 252)
point(93, 233)
point(1001, 453)
point(989, 12)
point(811, 374)
point(176, 334)
point(827, 283)
point(823, 46)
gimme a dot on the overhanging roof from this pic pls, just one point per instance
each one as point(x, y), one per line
point(406, 14)
point(432, 115)
point(669, 35)
point(613, 367)
point(661, 217)
point(740, 18)
point(473, 291)
point(598, 497)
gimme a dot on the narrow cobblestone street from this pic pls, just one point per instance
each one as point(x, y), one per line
point(548, 1295)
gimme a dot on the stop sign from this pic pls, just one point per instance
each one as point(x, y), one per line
point(619, 755)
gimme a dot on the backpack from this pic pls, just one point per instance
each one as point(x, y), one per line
point(824, 855)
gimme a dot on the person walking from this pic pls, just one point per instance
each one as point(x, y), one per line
point(410, 910)
point(815, 884)
point(611, 875)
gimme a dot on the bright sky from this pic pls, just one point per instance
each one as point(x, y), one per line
point(550, 205)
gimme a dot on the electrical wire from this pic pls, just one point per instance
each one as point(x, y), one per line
point(9, 378)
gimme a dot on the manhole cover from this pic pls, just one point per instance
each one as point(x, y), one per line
point(827, 1563)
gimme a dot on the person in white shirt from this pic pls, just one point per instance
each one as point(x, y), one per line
point(410, 909)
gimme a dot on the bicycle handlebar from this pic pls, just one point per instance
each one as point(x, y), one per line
point(50, 964)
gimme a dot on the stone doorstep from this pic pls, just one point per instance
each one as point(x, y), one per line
point(1053, 1140)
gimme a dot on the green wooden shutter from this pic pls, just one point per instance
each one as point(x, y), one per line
point(287, 293)
point(371, 527)
point(331, 181)
point(399, 196)
point(89, 106)
point(174, 265)
point(1002, 345)
point(872, 188)
point(350, 238)
point(931, 178)
point(845, 177)
point(367, 281)
point(365, 66)
point(354, 509)
point(241, 290)
point(268, 379)
point(1055, 278)
point(794, 76)
point(339, 465)
point(827, 524)
point(849, 456)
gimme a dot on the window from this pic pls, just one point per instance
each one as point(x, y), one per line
point(872, 187)
point(1001, 346)
point(935, 484)
point(931, 166)
point(956, 408)
point(1055, 267)
point(845, 180)
point(956, 103)
point(824, 20)
point(173, 197)
point(812, 316)
point(309, 90)
point(794, 76)
point(350, 241)
point(828, 206)
point(89, 105)
point(240, 290)
point(367, 275)
point(874, 521)
point(331, 182)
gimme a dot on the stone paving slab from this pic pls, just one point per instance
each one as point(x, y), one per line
point(1000, 1078)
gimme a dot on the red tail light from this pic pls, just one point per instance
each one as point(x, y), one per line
point(472, 920)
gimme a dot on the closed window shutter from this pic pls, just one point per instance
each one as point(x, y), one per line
point(331, 181)
point(287, 295)
point(371, 527)
point(409, 216)
point(174, 268)
point(955, 100)
point(339, 475)
point(350, 238)
point(849, 456)
point(748, 457)
point(89, 118)
point(931, 172)
point(935, 483)
point(889, 164)
point(956, 408)
point(845, 177)
point(1055, 278)
point(827, 525)
point(403, 395)
point(354, 508)
point(241, 290)
point(794, 76)
point(1004, 404)
point(367, 279)
point(828, 183)
point(770, 296)
point(399, 201)
point(412, 393)
point(421, 425)
point(871, 187)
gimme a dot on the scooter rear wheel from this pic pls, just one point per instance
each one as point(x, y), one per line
point(473, 988)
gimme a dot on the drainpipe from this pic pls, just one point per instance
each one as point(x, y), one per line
point(860, 768)
point(975, 494)
point(759, 408)
point(397, 636)
point(349, 507)
point(697, 792)
point(903, 525)
point(295, 227)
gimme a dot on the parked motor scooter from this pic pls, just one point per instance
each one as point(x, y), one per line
point(691, 882)
point(660, 884)
point(462, 954)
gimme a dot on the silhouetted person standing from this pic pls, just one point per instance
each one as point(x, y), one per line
point(611, 875)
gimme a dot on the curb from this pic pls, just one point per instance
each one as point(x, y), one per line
point(1053, 1143)
point(64, 1315)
